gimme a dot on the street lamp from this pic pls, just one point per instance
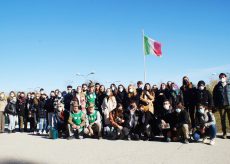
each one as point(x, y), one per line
point(85, 76)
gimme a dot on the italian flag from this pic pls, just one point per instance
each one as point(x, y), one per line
point(152, 47)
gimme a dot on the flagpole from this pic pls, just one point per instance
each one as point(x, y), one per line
point(143, 34)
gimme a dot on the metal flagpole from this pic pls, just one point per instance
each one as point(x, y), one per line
point(143, 35)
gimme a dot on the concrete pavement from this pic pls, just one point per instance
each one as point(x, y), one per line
point(25, 148)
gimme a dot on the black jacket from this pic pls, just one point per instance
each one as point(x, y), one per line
point(41, 109)
point(178, 119)
point(67, 99)
point(219, 92)
point(21, 107)
point(121, 98)
point(49, 105)
point(204, 97)
point(11, 108)
point(188, 94)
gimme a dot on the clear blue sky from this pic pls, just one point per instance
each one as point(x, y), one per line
point(44, 43)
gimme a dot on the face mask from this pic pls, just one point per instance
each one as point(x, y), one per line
point(69, 91)
point(131, 90)
point(201, 110)
point(113, 88)
point(178, 110)
point(78, 91)
point(121, 89)
point(32, 97)
point(223, 80)
point(108, 93)
point(140, 87)
point(201, 88)
point(167, 107)
point(163, 88)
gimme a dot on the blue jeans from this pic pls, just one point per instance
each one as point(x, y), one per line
point(211, 131)
point(42, 124)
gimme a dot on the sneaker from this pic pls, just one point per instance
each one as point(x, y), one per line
point(186, 141)
point(212, 142)
point(224, 136)
point(70, 138)
point(44, 132)
point(205, 140)
point(80, 137)
point(168, 139)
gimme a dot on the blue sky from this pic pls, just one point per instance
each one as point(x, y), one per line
point(44, 43)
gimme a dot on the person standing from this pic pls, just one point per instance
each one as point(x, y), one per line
point(12, 111)
point(221, 96)
point(3, 104)
point(21, 107)
point(188, 92)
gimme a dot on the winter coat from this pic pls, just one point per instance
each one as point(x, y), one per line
point(3, 104)
point(219, 94)
point(147, 101)
point(204, 97)
point(108, 105)
point(188, 93)
point(67, 99)
point(121, 98)
point(21, 107)
point(11, 108)
point(41, 112)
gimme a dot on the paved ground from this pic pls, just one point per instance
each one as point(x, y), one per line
point(25, 148)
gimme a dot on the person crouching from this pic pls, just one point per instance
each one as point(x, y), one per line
point(93, 122)
point(205, 125)
point(77, 120)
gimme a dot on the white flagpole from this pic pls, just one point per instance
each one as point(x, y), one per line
point(143, 34)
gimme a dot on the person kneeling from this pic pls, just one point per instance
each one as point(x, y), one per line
point(205, 124)
point(93, 122)
point(117, 120)
point(180, 124)
point(77, 120)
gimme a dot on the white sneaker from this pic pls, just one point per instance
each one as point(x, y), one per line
point(205, 140)
point(44, 132)
point(212, 142)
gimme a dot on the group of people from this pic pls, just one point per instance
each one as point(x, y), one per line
point(140, 112)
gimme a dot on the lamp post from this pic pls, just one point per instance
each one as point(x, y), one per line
point(86, 75)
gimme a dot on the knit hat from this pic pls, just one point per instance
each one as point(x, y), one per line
point(201, 83)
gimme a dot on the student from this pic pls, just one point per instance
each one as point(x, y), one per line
point(135, 123)
point(11, 111)
point(77, 121)
point(113, 87)
point(49, 106)
point(139, 88)
point(203, 96)
point(188, 94)
point(21, 107)
point(132, 95)
point(97, 88)
point(59, 119)
point(147, 98)
point(42, 115)
point(3, 104)
point(165, 120)
point(221, 97)
point(117, 120)
point(68, 97)
point(90, 95)
point(100, 98)
point(206, 125)
point(121, 96)
point(81, 99)
point(180, 124)
point(93, 122)
point(108, 105)
point(84, 88)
